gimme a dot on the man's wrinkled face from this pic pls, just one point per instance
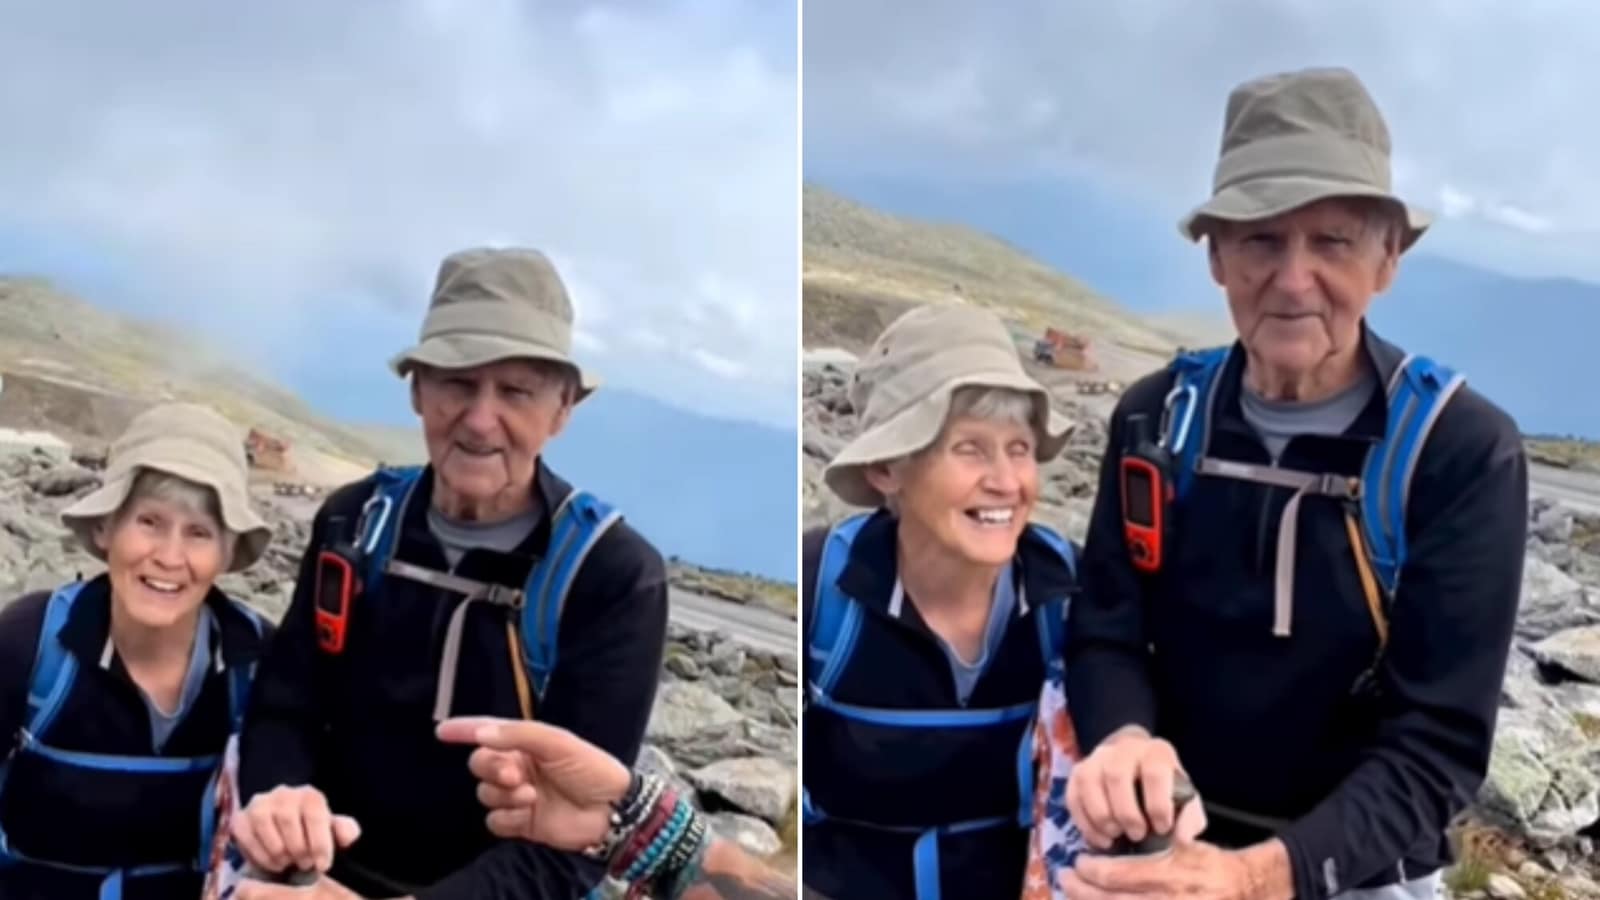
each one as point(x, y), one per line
point(486, 426)
point(1299, 284)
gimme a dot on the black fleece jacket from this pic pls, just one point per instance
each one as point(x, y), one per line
point(1266, 724)
point(371, 748)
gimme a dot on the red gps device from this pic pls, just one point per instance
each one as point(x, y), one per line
point(1144, 497)
point(336, 586)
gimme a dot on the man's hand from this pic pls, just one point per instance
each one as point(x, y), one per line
point(1192, 869)
point(325, 889)
point(1100, 791)
point(291, 827)
point(541, 783)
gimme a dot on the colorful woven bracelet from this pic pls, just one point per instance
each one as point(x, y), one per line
point(683, 863)
point(651, 859)
point(643, 834)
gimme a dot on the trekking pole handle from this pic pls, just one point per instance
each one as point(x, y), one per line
point(1183, 793)
point(291, 877)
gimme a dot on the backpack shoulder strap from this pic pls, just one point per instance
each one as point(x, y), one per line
point(54, 668)
point(837, 618)
point(1186, 417)
point(240, 678)
point(578, 524)
point(1417, 394)
point(379, 526)
point(1052, 614)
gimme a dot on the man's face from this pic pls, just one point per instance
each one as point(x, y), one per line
point(485, 427)
point(1299, 284)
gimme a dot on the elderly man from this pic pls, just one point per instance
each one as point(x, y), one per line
point(1303, 565)
point(480, 584)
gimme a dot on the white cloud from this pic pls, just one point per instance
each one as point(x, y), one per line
point(720, 365)
point(1456, 204)
point(1132, 94)
point(254, 160)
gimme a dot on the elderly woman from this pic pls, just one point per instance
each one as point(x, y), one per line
point(121, 692)
point(931, 620)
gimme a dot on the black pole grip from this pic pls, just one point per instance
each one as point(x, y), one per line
point(1182, 794)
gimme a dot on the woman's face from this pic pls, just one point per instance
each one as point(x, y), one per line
point(972, 490)
point(162, 557)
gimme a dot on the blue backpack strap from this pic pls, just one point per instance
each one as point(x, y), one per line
point(1418, 392)
point(579, 524)
point(1052, 619)
point(48, 683)
point(1052, 613)
point(240, 678)
point(1186, 419)
point(379, 527)
point(53, 668)
point(836, 621)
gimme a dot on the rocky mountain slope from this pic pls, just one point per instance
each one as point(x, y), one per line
point(82, 372)
point(862, 267)
point(725, 718)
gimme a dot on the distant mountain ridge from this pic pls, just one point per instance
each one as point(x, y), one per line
point(716, 493)
point(858, 258)
point(1526, 343)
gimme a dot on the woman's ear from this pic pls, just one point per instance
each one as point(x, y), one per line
point(102, 533)
point(884, 478)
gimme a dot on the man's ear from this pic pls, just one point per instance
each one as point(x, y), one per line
point(563, 416)
point(1214, 259)
point(1388, 266)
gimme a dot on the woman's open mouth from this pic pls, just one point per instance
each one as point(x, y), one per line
point(993, 516)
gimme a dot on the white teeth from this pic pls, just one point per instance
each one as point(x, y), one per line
point(166, 587)
point(995, 516)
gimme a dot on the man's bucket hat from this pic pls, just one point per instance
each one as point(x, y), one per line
point(902, 389)
point(494, 304)
point(190, 441)
point(1294, 138)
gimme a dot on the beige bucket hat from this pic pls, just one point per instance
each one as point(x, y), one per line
point(1293, 138)
point(190, 441)
point(494, 304)
point(902, 388)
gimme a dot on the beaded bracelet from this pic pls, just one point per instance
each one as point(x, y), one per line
point(635, 803)
point(647, 862)
point(682, 868)
point(642, 835)
point(676, 849)
point(656, 834)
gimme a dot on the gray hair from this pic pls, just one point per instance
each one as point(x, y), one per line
point(993, 404)
point(552, 375)
point(1381, 218)
point(197, 499)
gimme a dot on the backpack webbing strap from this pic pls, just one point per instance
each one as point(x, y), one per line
point(579, 523)
point(54, 668)
point(1418, 393)
point(836, 622)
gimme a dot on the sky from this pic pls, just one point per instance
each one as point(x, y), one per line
point(1489, 105)
point(285, 177)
